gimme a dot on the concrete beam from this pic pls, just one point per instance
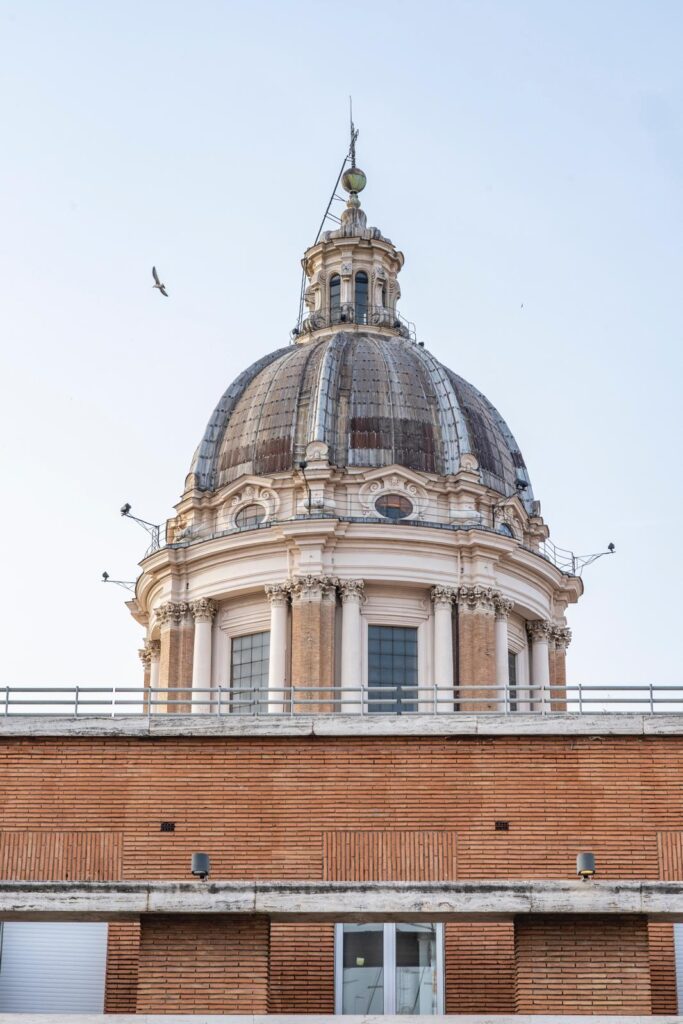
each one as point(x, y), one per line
point(313, 1018)
point(338, 901)
point(227, 726)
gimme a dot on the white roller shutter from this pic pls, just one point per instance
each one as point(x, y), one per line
point(48, 967)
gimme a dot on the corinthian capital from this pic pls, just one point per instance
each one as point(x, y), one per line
point(539, 629)
point(502, 606)
point(203, 609)
point(477, 598)
point(312, 588)
point(351, 591)
point(278, 593)
point(561, 637)
point(172, 613)
point(444, 595)
point(145, 656)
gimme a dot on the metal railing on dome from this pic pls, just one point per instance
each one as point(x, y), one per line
point(350, 313)
point(364, 700)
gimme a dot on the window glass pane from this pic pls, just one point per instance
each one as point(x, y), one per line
point(392, 669)
point(416, 977)
point(249, 673)
point(335, 291)
point(250, 515)
point(512, 670)
point(363, 970)
point(361, 298)
point(393, 506)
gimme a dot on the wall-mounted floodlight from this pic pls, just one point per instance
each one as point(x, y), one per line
point(302, 467)
point(585, 865)
point(126, 584)
point(201, 865)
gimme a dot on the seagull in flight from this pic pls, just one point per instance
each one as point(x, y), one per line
point(158, 284)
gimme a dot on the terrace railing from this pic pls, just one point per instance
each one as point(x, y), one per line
point(77, 701)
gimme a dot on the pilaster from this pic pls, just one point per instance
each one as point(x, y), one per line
point(476, 648)
point(314, 601)
point(176, 635)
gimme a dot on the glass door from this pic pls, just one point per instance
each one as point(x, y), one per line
point(389, 969)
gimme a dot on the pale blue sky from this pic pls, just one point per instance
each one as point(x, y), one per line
point(518, 152)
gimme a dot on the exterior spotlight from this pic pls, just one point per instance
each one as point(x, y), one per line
point(105, 576)
point(610, 548)
point(125, 509)
point(520, 484)
point(201, 865)
point(585, 866)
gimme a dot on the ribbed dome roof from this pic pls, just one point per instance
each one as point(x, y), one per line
point(375, 400)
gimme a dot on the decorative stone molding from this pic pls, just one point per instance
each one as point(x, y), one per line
point(145, 656)
point(312, 588)
point(561, 636)
point(351, 591)
point(502, 606)
point(278, 593)
point(444, 595)
point(539, 629)
point(477, 598)
point(154, 649)
point(173, 613)
point(203, 609)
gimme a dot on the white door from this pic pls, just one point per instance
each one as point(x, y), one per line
point(52, 967)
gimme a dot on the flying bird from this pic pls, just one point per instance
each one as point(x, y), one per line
point(158, 284)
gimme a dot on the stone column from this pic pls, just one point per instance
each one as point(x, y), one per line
point(313, 612)
point(476, 649)
point(176, 633)
point(502, 607)
point(443, 598)
point(278, 595)
point(560, 638)
point(539, 634)
point(203, 611)
point(146, 658)
point(351, 593)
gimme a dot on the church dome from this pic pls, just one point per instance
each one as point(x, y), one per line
point(375, 399)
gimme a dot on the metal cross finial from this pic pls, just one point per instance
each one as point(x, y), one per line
point(354, 134)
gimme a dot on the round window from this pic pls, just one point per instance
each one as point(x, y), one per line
point(393, 506)
point(250, 515)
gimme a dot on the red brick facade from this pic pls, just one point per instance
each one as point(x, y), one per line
point(356, 808)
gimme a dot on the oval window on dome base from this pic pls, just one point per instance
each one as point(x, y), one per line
point(250, 516)
point(394, 506)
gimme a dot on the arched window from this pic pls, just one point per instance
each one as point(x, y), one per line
point(384, 295)
point(335, 296)
point(361, 297)
point(249, 516)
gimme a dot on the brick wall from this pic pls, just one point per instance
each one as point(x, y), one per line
point(479, 967)
point(121, 980)
point(301, 977)
point(662, 968)
point(287, 808)
point(198, 963)
point(582, 964)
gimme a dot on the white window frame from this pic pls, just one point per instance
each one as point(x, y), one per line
point(389, 975)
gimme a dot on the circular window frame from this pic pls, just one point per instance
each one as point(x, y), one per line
point(400, 499)
point(244, 508)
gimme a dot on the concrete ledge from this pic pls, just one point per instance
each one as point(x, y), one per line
point(454, 724)
point(338, 901)
point(209, 1018)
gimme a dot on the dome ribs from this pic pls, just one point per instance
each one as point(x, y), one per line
point(375, 401)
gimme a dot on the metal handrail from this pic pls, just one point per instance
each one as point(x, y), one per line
point(354, 313)
point(363, 699)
